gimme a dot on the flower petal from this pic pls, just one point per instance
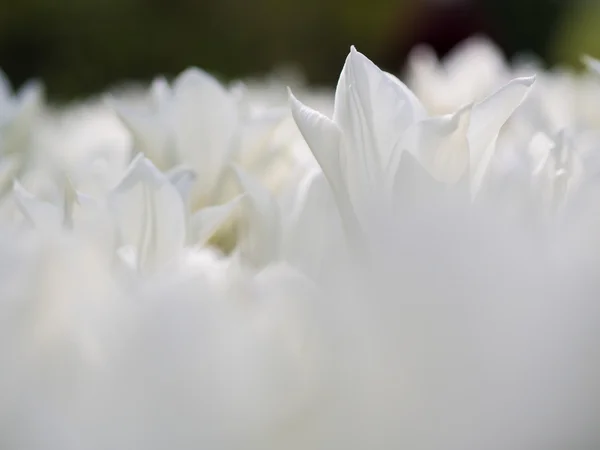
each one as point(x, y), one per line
point(205, 120)
point(206, 221)
point(323, 137)
point(373, 109)
point(440, 144)
point(149, 213)
point(40, 214)
point(487, 118)
point(261, 242)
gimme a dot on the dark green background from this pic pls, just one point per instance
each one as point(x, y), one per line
point(79, 47)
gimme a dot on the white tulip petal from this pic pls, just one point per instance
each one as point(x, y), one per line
point(30, 95)
point(539, 150)
point(149, 134)
point(40, 214)
point(312, 229)
point(205, 222)
point(160, 92)
point(142, 170)
point(205, 120)
point(440, 144)
point(262, 240)
point(414, 187)
point(150, 214)
point(373, 111)
point(183, 179)
point(487, 118)
point(324, 140)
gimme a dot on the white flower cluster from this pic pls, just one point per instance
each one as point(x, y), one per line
point(202, 267)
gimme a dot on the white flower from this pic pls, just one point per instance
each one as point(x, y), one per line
point(377, 119)
point(472, 70)
point(153, 218)
point(18, 114)
point(85, 142)
point(426, 282)
point(199, 124)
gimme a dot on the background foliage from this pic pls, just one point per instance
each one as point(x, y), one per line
point(83, 46)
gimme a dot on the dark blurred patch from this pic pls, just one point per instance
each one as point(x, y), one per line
point(517, 26)
point(84, 46)
point(441, 26)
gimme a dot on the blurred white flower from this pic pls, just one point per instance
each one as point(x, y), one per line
point(183, 276)
point(18, 114)
point(199, 124)
point(468, 74)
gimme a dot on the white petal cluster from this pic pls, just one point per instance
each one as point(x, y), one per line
point(206, 267)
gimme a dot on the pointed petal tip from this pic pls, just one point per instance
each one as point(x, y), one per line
point(296, 106)
point(355, 56)
point(160, 80)
point(140, 169)
point(194, 78)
